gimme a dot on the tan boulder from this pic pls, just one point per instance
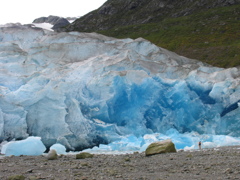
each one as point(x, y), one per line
point(159, 147)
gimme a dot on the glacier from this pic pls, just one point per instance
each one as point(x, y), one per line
point(85, 90)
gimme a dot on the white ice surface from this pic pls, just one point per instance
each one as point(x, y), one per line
point(32, 146)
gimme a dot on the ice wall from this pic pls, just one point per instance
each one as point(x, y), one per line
point(86, 89)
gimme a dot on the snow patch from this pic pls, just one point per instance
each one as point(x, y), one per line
point(46, 26)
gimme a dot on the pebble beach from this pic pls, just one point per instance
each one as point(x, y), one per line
point(213, 164)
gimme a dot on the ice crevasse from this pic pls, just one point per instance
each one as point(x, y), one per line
point(85, 89)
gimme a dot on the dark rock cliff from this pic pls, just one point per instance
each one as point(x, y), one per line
point(116, 13)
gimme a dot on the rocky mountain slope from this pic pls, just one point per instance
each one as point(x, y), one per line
point(207, 30)
point(57, 22)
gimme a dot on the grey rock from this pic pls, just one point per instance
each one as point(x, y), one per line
point(52, 19)
point(62, 22)
point(107, 10)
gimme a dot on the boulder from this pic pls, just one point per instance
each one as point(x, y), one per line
point(84, 155)
point(52, 154)
point(159, 147)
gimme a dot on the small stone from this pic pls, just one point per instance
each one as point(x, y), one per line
point(84, 155)
point(127, 159)
point(29, 171)
point(33, 178)
point(52, 155)
point(85, 164)
point(83, 178)
point(228, 171)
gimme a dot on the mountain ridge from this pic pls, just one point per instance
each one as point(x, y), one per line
point(132, 8)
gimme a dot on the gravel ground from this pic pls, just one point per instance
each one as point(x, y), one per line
point(220, 163)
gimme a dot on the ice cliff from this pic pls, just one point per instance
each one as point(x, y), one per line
point(86, 89)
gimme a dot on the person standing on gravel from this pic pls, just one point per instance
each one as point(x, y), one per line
point(200, 145)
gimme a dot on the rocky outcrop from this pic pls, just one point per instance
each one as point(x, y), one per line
point(40, 20)
point(60, 23)
point(57, 22)
point(165, 146)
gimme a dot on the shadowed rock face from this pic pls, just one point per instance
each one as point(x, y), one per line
point(60, 23)
point(40, 20)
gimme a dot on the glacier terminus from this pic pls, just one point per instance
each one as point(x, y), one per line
point(85, 90)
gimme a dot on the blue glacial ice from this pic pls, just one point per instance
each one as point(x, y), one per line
point(32, 146)
point(84, 90)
